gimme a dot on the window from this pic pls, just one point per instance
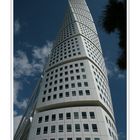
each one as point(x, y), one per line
point(66, 79)
point(45, 130)
point(55, 88)
point(45, 92)
point(67, 94)
point(79, 84)
point(86, 84)
point(80, 92)
point(73, 93)
point(60, 95)
point(60, 139)
point(68, 115)
point(61, 116)
point(54, 96)
point(50, 90)
point(86, 128)
point(61, 87)
point(77, 127)
point(66, 86)
point(78, 139)
point(73, 85)
point(84, 115)
point(76, 115)
point(87, 92)
point(43, 99)
point(55, 82)
point(78, 77)
point(49, 98)
point(96, 138)
point(69, 128)
point(40, 120)
point(53, 129)
point(92, 115)
point(83, 70)
point(94, 128)
point(60, 127)
point(84, 77)
point(69, 138)
point(81, 64)
point(87, 139)
point(46, 118)
point(72, 77)
point(53, 117)
point(38, 131)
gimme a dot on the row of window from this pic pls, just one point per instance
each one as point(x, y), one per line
point(67, 94)
point(103, 88)
point(68, 116)
point(78, 138)
point(77, 128)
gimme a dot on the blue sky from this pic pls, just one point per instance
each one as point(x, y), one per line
point(36, 24)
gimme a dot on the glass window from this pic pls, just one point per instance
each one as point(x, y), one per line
point(87, 92)
point(68, 115)
point(92, 115)
point(53, 117)
point(79, 84)
point(61, 87)
point(73, 85)
point(45, 92)
point(96, 138)
point(61, 116)
point(43, 99)
point(54, 96)
point(53, 129)
point(86, 128)
point(60, 139)
point(78, 139)
point(80, 92)
point(69, 128)
point(45, 130)
point(77, 127)
point(94, 128)
point(69, 138)
point(87, 139)
point(86, 84)
point(76, 115)
point(49, 98)
point(84, 77)
point(46, 118)
point(78, 77)
point(72, 77)
point(66, 86)
point(38, 131)
point(84, 115)
point(60, 128)
point(40, 120)
point(60, 95)
point(67, 94)
point(73, 93)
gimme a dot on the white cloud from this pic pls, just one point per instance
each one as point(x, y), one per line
point(23, 67)
point(20, 104)
point(17, 27)
point(17, 120)
point(113, 70)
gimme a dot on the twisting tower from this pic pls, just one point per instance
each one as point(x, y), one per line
point(73, 101)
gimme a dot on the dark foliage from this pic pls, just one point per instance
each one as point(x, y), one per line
point(114, 18)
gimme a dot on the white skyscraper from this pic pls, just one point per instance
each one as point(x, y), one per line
point(73, 100)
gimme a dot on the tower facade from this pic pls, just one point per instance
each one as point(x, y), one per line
point(74, 100)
